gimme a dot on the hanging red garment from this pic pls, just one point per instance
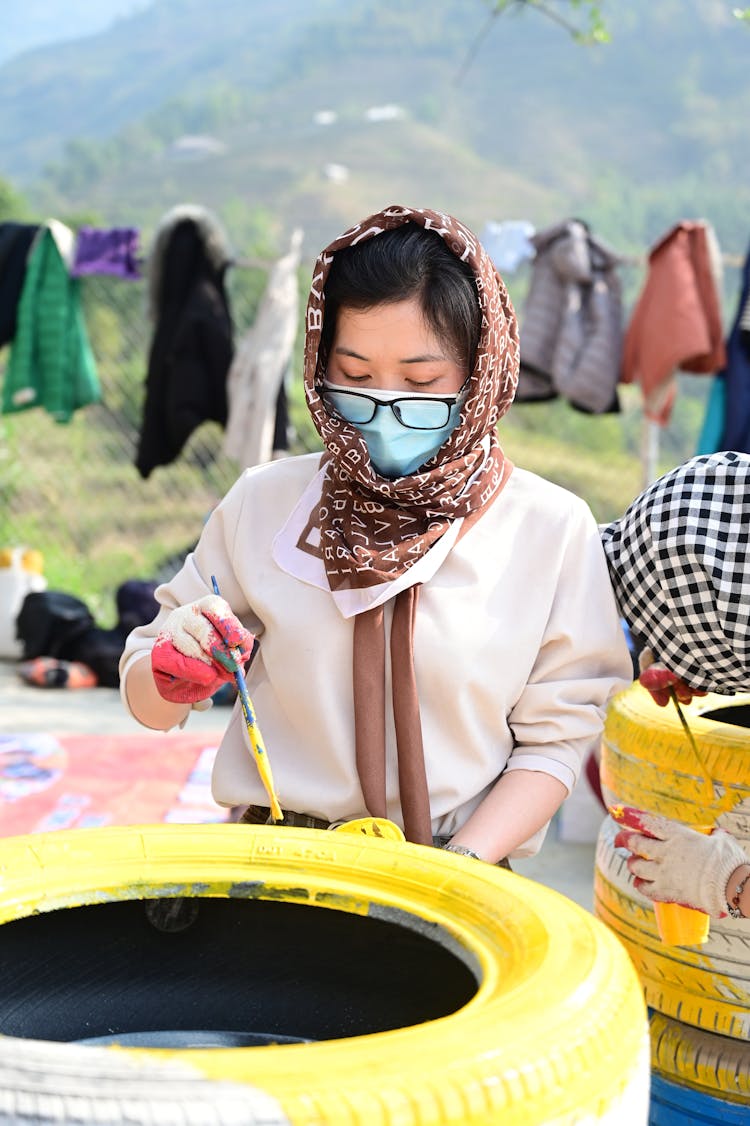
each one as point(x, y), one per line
point(676, 322)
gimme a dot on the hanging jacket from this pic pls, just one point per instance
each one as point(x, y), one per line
point(712, 428)
point(736, 376)
point(191, 347)
point(571, 328)
point(51, 364)
point(16, 240)
point(676, 322)
point(744, 322)
point(257, 371)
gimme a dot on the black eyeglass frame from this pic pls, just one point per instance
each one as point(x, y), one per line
point(448, 401)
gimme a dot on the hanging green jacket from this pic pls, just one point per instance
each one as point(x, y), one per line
point(51, 364)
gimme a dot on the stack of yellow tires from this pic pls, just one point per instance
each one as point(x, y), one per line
point(549, 1028)
point(698, 996)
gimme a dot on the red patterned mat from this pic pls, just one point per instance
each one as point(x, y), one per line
point(83, 781)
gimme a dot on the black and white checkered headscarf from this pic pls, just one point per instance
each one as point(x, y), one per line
point(679, 561)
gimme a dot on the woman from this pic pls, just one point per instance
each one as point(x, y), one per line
point(679, 560)
point(438, 636)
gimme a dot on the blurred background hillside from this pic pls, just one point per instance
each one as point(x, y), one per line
point(631, 134)
point(279, 114)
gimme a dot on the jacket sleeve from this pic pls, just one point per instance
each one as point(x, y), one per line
point(582, 662)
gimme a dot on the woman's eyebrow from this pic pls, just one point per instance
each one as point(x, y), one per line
point(340, 351)
point(427, 358)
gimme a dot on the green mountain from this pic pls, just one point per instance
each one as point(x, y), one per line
point(221, 103)
point(93, 86)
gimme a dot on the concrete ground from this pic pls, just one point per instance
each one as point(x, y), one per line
point(565, 862)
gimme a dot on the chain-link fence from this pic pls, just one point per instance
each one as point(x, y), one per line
point(72, 490)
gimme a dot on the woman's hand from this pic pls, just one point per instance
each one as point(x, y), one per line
point(194, 654)
point(675, 864)
point(657, 679)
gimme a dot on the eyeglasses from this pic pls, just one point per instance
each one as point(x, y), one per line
point(417, 413)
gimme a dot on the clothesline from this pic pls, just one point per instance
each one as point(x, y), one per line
point(553, 360)
point(242, 263)
point(120, 244)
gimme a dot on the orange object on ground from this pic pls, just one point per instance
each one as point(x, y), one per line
point(48, 672)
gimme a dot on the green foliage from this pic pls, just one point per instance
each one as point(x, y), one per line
point(13, 206)
point(583, 21)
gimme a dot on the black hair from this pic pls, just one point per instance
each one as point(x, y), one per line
point(407, 262)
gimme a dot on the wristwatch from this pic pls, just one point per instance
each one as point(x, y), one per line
point(462, 850)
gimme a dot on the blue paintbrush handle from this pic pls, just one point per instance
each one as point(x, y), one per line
point(256, 740)
point(239, 679)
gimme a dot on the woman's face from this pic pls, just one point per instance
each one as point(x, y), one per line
point(391, 348)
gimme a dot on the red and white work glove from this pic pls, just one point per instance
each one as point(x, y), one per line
point(659, 681)
point(675, 864)
point(192, 655)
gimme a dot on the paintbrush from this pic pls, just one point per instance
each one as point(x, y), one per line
point(693, 745)
point(253, 731)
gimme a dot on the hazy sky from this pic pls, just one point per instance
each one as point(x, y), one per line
point(37, 23)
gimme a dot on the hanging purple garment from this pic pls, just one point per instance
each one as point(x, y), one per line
point(112, 251)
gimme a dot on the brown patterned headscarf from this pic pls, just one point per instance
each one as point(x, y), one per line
point(373, 529)
point(398, 520)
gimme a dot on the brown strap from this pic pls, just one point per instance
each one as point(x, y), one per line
point(412, 776)
point(369, 707)
point(369, 715)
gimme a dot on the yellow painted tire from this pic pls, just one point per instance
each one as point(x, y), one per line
point(705, 986)
point(704, 1061)
point(647, 760)
point(556, 1032)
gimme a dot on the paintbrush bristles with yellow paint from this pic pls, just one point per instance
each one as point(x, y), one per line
point(708, 782)
point(721, 805)
point(255, 738)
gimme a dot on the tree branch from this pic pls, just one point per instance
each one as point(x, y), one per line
point(597, 32)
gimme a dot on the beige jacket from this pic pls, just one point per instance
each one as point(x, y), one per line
point(260, 362)
point(517, 650)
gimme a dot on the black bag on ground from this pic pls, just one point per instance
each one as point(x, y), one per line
point(101, 649)
point(50, 623)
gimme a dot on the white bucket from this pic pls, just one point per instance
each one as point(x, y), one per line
point(20, 574)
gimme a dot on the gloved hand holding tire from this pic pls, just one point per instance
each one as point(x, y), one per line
point(675, 864)
point(194, 653)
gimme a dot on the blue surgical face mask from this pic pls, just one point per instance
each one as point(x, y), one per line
point(396, 446)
